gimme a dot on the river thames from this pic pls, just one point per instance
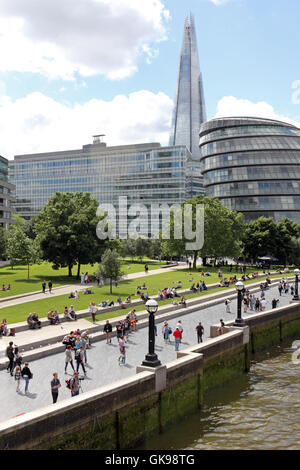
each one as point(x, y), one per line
point(258, 410)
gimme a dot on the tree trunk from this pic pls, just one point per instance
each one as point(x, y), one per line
point(204, 260)
point(28, 271)
point(78, 271)
point(195, 259)
point(70, 270)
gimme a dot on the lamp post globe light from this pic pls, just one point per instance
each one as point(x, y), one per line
point(296, 295)
point(239, 321)
point(151, 359)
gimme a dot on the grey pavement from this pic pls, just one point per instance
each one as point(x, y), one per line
point(103, 367)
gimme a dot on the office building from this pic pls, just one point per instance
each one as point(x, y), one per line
point(6, 195)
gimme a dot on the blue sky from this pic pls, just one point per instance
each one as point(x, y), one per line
point(70, 70)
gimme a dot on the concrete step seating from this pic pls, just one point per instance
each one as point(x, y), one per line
point(48, 340)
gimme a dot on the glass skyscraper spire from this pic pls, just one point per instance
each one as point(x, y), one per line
point(189, 107)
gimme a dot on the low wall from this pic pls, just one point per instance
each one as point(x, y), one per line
point(125, 413)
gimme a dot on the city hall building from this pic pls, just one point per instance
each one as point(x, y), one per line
point(252, 165)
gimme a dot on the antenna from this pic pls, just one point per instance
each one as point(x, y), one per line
point(98, 139)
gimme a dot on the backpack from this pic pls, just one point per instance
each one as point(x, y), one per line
point(77, 354)
point(68, 384)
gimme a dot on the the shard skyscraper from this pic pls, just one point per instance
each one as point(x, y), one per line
point(189, 107)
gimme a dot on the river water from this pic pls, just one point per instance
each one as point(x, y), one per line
point(259, 410)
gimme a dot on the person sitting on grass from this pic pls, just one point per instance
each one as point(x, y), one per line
point(72, 295)
point(88, 291)
point(183, 301)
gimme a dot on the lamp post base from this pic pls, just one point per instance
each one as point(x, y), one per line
point(151, 360)
point(239, 322)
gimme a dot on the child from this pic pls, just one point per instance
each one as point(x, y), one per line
point(122, 353)
point(18, 377)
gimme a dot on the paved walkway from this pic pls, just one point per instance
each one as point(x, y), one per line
point(103, 367)
point(62, 290)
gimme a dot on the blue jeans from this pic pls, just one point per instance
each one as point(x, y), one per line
point(72, 365)
point(177, 342)
point(26, 383)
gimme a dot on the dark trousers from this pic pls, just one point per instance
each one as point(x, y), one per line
point(10, 366)
point(200, 339)
point(54, 396)
point(82, 365)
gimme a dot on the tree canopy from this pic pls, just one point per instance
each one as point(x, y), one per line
point(66, 230)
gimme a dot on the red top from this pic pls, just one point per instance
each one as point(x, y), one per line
point(177, 334)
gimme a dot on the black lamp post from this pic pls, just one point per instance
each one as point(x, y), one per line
point(239, 321)
point(151, 359)
point(296, 295)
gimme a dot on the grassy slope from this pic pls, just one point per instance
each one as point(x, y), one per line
point(17, 277)
point(127, 287)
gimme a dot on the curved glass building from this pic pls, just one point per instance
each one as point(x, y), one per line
point(252, 165)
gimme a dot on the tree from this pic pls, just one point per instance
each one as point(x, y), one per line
point(260, 238)
point(21, 248)
point(110, 267)
point(287, 232)
point(129, 248)
point(2, 243)
point(223, 229)
point(66, 230)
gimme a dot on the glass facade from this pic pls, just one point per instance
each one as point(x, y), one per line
point(145, 173)
point(189, 106)
point(253, 166)
point(6, 195)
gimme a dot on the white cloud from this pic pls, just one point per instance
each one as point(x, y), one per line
point(219, 2)
point(59, 38)
point(232, 106)
point(37, 123)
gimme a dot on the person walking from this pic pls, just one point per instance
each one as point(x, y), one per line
point(18, 377)
point(55, 385)
point(69, 359)
point(10, 355)
point(180, 328)
point(27, 375)
point(44, 287)
point(227, 306)
point(200, 332)
point(108, 330)
point(166, 331)
point(50, 286)
point(122, 348)
point(74, 385)
point(79, 358)
point(177, 335)
point(93, 311)
point(280, 287)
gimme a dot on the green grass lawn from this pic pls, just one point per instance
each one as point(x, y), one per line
point(153, 283)
point(17, 277)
